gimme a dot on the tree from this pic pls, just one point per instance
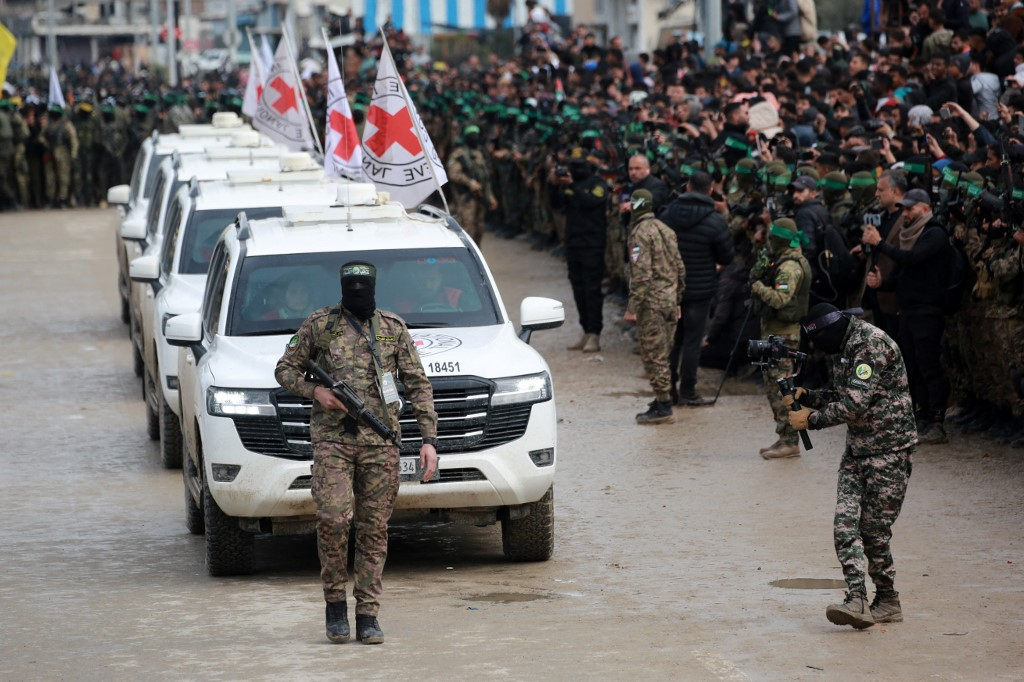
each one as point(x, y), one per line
point(499, 10)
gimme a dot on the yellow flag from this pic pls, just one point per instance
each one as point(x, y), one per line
point(7, 43)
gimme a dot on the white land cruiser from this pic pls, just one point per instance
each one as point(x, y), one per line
point(132, 199)
point(247, 449)
point(174, 279)
point(174, 173)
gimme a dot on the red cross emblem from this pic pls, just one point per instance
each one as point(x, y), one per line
point(346, 127)
point(287, 99)
point(391, 129)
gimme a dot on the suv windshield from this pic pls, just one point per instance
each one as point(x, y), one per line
point(434, 288)
point(205, 227)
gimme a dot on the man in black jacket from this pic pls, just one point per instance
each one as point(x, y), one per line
point(921, 257)
point(832, 266)
point(704, 243)
point(583, 196)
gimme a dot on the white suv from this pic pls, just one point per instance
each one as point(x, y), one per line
point(176, 276)
point(247, 445)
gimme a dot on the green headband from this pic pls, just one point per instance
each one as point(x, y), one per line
point(359, 270)
point(832, 184)
point(744, 170)
point(797, 238)
point(862, 182)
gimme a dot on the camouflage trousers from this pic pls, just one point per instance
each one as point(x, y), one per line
point(787, 434)
point(470, 213)
point(354, 486)
point(868, 501)
point(655, 329)
point(58, 175)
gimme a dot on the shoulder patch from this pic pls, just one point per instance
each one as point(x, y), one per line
point(598, 191)
point(634, 254)
point(863, 371)
point(293, 343)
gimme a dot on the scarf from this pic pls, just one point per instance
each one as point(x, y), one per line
point(909, 234)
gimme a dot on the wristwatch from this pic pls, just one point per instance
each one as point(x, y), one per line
point(430, 441)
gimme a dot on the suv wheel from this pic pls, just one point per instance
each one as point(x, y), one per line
point(229, 549)
point(138, 364)
point(125, 313)
point(170, 434)
point(531, 538)
point(194, 520)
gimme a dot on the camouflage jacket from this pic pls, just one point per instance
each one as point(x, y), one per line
point(349, 359)
point(467, 168)
point(869, 393)
point(657, 276)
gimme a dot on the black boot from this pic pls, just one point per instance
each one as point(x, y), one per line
point(659, 412)
point(368, 629)
point(337, 622)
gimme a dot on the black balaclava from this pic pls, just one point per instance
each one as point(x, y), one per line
point(580, 170)
point(826, 326)
point(358, 288)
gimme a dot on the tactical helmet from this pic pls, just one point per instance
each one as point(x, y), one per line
point(862, 187)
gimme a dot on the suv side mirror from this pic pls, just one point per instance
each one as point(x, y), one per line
point(537, 313)
point(134, 228)
point(119, 194)
point(144, 269)
point(184, 330)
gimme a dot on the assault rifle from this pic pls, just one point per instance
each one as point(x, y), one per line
point(354, 405)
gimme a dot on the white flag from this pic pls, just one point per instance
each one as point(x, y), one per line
point(254, 86)
point(343, 157)
point(266, 54)
point(281, 112)
point(394, 139)
point(56, 94)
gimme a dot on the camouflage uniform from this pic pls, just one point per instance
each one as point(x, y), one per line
point(656, 283)
point(869, 392)
point(62, 141)
point(471, 178)
point(8, 193)
point(355, 475)
point(781, 298)
point(87, 127)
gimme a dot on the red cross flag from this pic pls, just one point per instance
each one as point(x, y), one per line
point(394, 139)
point(280, 113)
point(254, 86)
point(343, 157)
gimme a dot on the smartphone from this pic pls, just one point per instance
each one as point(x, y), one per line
point(945, 113)
point(876, 143)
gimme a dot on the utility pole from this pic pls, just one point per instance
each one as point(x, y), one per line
point(51, 33)
point(154, 31)
point(711, 25)
point(172, 48)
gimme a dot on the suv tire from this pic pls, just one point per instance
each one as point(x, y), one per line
point(170, 434)
point(152, 411)
point(125, 312)
point(229, 549)
point(531, 538)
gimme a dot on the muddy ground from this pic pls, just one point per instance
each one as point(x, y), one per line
point(670, 541)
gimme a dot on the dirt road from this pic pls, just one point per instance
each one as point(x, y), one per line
point(668, 539)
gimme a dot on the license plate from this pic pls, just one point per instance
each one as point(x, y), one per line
point(409, 470)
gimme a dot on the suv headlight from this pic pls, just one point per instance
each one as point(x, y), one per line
point(531, 388)
point(239, 402)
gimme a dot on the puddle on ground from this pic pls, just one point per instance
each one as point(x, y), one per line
point(505, 597)
point(809, 584)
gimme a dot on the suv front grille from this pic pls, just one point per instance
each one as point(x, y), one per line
point(466, 422)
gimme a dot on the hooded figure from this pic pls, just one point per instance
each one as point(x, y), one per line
point(358, 288)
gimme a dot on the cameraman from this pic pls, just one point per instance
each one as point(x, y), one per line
point(780, 294)
point(869, 392)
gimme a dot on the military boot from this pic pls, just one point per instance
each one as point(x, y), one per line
point(592, 344)
point(886, 608)
point(368, 629)
point(659, 412)
point(853, 612)
point(782, 451)
point(774, 445)
point(337, 622)
point(579, 344)
point(934, 434)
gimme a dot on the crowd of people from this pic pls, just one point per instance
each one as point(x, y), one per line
point(866, 141)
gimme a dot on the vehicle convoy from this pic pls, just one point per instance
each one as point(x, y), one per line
point(247, 452)
point(174, 173)
point(132, 200)
point(173, 279)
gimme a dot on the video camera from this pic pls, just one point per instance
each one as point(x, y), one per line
point(767, 352)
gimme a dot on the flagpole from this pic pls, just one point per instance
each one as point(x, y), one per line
point(254, 60)
point(301, 92)
point(415, 125)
